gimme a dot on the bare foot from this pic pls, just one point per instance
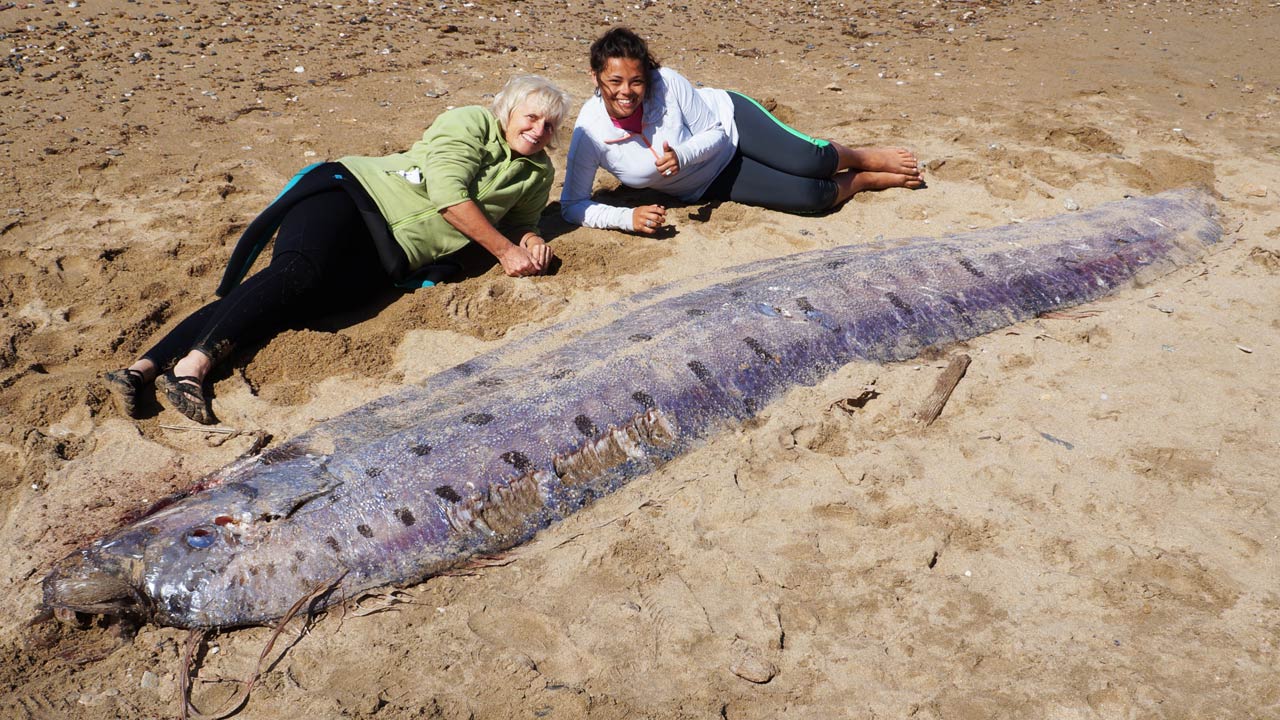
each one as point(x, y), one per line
point(884, 180)
point(853, 182)
point(882, 159)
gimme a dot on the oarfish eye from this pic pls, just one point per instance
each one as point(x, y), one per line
point(201, 537)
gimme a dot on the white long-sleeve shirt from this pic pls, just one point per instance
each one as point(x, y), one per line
point(697, 124)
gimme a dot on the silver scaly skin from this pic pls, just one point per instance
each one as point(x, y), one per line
point(481, 456)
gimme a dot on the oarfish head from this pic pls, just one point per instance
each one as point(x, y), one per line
point(128, 572)
point(100, 581)
point(207, 560)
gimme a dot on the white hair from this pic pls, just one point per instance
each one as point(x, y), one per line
point(549, 100)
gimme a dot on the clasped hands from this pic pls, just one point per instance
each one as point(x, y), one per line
point(531, 257)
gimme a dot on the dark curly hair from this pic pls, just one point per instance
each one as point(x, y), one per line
point(621, 42)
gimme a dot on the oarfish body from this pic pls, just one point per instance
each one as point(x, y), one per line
point(483, 455)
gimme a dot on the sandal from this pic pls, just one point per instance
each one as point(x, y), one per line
point(124, 386)
point(186, 394)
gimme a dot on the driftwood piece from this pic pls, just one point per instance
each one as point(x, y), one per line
point(947, 382)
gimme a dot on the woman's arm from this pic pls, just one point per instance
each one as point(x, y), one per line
point(454, 151)
point(576, 205)
point(517, 261)
point(520, 224)
point(708, 134)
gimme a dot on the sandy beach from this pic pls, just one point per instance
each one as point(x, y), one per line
point(1089, 530)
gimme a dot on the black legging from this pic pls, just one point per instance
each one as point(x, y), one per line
point(775, 166)
point(324, 259)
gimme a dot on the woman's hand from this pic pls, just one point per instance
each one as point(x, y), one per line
point(516, 260)
point(539, 251)
point(668, 164)
point(648, 218)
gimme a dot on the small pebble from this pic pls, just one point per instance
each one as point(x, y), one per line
point(1071, 205)
point(89, 699)
point(1244, 349)
point(1255, 190)
point(754, 669)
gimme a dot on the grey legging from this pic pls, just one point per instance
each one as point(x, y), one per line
point(775, 166)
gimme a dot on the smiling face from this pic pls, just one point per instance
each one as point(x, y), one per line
point(528, 129)
point(622, 84)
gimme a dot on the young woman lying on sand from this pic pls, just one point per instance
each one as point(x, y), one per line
point(650, 128)
point(352, 228)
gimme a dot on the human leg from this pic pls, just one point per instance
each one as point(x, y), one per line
point(764, 138)
point(323, 258)
point(771, 142)
point(261, 305)
point(323, 254)
point(750, 182)
point(126, 384)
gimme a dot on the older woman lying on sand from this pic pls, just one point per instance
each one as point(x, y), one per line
point(351, 228)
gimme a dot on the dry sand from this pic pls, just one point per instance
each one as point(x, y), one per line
point(1089, 531)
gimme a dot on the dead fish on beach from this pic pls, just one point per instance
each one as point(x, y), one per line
point(481, 456)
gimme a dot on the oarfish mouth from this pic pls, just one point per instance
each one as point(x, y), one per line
point(94, 583)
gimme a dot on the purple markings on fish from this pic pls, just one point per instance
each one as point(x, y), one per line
point(481, 456)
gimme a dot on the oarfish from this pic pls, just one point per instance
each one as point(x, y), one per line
point(481, 456)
